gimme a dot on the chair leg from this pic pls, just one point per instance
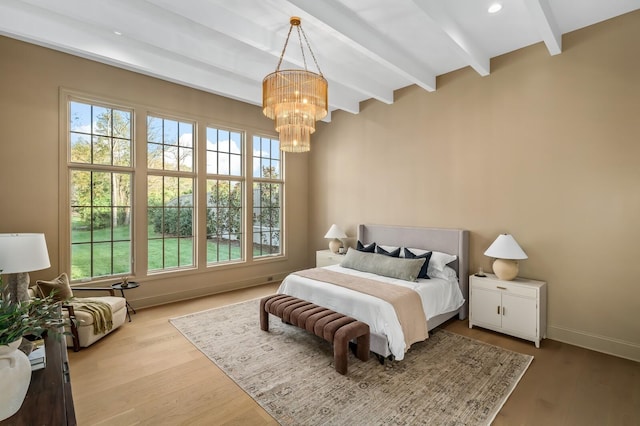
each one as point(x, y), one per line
point(73, 327)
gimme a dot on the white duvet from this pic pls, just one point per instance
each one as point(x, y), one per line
point(438, 296)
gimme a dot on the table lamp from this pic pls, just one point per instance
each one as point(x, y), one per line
point(507, 252)
point(335, 233)
point(19, 255)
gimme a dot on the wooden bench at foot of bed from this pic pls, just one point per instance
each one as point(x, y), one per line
point(335, 328)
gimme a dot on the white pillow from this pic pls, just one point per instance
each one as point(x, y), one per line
point(388, 248)
point(415, 251)
point(438, 261)
point(447, 273)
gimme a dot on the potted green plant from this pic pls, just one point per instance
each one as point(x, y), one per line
point(33, 317)
point(18, 320)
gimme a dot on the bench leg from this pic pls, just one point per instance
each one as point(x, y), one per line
point(264, 316)
point(340, 355)
point(363, 347)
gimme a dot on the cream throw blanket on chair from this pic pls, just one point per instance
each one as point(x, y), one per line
point(100, 311)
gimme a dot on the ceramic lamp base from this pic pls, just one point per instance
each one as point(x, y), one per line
point(334, 245)
point(17, 287)
point(505, 269)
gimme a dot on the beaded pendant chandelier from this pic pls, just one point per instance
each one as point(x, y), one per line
point(295, 99)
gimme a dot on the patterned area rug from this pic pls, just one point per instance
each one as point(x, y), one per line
point(447, 380)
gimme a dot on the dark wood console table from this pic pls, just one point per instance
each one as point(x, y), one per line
point(49, 401)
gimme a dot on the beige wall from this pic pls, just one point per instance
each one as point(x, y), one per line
point(30, 82)
point(546, 148)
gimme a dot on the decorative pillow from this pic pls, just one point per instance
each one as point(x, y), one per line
point(447, 273)
point(59, 286)
point(388, 251)
point(393, 267)
point(439, 260)
point(408, 254)
point(417, 251)
point(371, 248)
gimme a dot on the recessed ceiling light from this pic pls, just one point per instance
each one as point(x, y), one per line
point(494, 8)
point(118, 33)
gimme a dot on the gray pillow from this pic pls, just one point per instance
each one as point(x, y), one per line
point(393, 267)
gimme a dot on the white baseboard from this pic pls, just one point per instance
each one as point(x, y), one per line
point(607, 345)
point(163, 299)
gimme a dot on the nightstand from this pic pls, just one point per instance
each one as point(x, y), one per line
point(326, 258)
point(517, 307)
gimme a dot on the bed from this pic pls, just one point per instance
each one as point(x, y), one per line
point(442, 297)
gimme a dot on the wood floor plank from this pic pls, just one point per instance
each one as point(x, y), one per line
point(147, 373)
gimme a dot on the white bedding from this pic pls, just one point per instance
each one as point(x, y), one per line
point(438, 296)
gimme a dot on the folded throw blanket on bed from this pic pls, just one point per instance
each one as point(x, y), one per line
point(100, 312)
point(405, 301)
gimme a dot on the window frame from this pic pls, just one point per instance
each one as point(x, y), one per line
point(138, 172)
point(178, 174)
point(65, 175)
point(242, 179)
point(271, 181)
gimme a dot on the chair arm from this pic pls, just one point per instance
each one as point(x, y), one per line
point(111, 291)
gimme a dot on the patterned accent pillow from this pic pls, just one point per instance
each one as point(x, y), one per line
point(423, 271)
point(392, 253)
point(371, 248)
point(59, 286)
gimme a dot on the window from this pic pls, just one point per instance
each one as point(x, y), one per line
point(224, 196)
point(170, 192)
point(100, 181)
point(267, 197)
point(217, 190)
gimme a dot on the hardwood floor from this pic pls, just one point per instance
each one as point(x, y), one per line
point(147, 373)
point(565, 384)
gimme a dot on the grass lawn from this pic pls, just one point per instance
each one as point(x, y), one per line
point(113, 258)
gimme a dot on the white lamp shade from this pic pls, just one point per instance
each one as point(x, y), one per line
point(505, 247)
point(23, 253)
point(335, 232)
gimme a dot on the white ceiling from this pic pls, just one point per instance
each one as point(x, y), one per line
point(365, 48)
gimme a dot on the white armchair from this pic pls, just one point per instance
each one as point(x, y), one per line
point(85, 323)
point(81, 322)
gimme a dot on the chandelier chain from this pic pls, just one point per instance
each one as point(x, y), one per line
point(304, 58)
point(310, 51)
point(286, 42)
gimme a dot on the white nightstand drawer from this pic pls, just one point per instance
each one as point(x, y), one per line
point(327, 258)
point(510, 287)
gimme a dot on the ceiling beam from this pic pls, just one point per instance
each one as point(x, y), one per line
point(464, 46)
point(71, 36)
point(234, 26)
point(368, 41)
point(545, 22)
point(92, 41)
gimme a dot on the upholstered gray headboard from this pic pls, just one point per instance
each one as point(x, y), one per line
point(452, 241)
